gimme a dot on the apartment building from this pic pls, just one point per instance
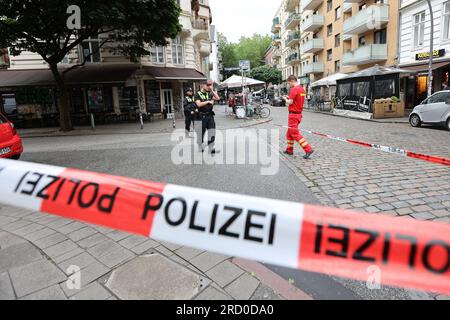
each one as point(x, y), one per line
point(286, 38)
point(338, 36)
point(108, 85)
point(216, 65)
point(414, 52)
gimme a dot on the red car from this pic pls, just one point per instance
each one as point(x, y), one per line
point(10, 142)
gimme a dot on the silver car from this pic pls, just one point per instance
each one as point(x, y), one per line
point(435, 111)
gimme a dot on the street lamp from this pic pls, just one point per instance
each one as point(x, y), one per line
point(430, 62)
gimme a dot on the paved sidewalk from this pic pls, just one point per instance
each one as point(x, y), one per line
point(223, 120)
point(37, 252)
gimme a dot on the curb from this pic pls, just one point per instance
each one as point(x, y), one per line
point(272, 280)
point(57, 134)
point(368, 120)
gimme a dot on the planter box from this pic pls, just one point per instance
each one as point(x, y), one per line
point(384, 110)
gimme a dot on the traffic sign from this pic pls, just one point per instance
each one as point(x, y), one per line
point(244, 65)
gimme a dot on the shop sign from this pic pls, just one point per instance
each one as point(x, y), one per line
point(426, 55)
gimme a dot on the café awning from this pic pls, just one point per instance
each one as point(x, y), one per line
point(93, 74)
point(424, 66)
point(171, 73)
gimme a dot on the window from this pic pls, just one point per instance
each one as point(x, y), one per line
point(177, 51)
point(361, 89)
point(337, 13)
point(127, 98)
point(362, 41)
point(316, 58)
point(419, 29)
point(100, 99)
point(337, 66)
point(385, 88)
point(157, 54)
point(337, 40)
point(446, 23)
point(380, 37)
point(362, 6)
point(329, 30)
point(329, 5)
point(329, 54)
point(439, 97)
point(90, 50)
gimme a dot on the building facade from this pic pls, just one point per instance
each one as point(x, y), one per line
point(110, 86)
point(216, 65)
point(321, 38)
point(414, 39)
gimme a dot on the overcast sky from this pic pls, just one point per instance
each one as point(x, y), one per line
point(236, 18)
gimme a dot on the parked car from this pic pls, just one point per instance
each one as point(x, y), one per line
point(278, 102)
point(434, 111)
point(10, 142)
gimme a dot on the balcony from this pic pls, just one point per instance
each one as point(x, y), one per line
point(293, 58)
point(276, 54)
point(205, 48)
point(347, 7)
point(371, 53)
point(276, 26)
point(293, 21)
point(276, 40)
point(291, 5)
point(369, 19)
point(311, 4)
point(200, 29)
point(313, 23)
point(313, 45)
point(312, 68)
point(292, 39)
point(347, 37)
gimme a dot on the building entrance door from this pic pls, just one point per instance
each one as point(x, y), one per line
point(167, 96)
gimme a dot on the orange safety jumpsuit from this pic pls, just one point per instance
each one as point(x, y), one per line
point(295, 118)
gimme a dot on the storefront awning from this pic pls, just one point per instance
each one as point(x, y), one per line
point(24, 78)
point(95, 74)
point(424, 66)
point(167, 73)
point(88, 74)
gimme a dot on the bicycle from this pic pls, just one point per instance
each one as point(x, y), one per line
point(261, 111)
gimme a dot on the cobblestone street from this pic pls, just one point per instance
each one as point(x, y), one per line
point(354, 177)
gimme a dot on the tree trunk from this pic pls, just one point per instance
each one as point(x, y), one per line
point(65, 120)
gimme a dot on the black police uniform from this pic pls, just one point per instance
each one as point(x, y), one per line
point(189, 107)
point(206, 116)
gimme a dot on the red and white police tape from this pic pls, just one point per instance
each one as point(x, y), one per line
point(398, 151)
point(408, 253)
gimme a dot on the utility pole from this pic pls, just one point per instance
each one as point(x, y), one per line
point(430, 62)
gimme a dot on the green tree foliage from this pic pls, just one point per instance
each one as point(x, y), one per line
point(125, 27)
point(248, 48)
point(253, 49)
point(267, 74)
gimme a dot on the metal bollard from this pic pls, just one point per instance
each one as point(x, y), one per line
point(92, 121)
point(141, 120)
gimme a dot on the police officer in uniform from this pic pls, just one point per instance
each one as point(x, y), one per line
point(189, 107)
point(204, 100)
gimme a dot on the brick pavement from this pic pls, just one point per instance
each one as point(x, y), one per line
point(353, 177)
point(36, 251)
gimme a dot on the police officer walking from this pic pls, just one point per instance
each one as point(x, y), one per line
point(189, 107)
point(204, 100)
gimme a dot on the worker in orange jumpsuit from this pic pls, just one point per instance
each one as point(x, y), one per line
point(295, 102)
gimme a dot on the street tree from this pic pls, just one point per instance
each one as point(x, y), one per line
point(266, 73)
point(253, 48)
point(45, 27)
